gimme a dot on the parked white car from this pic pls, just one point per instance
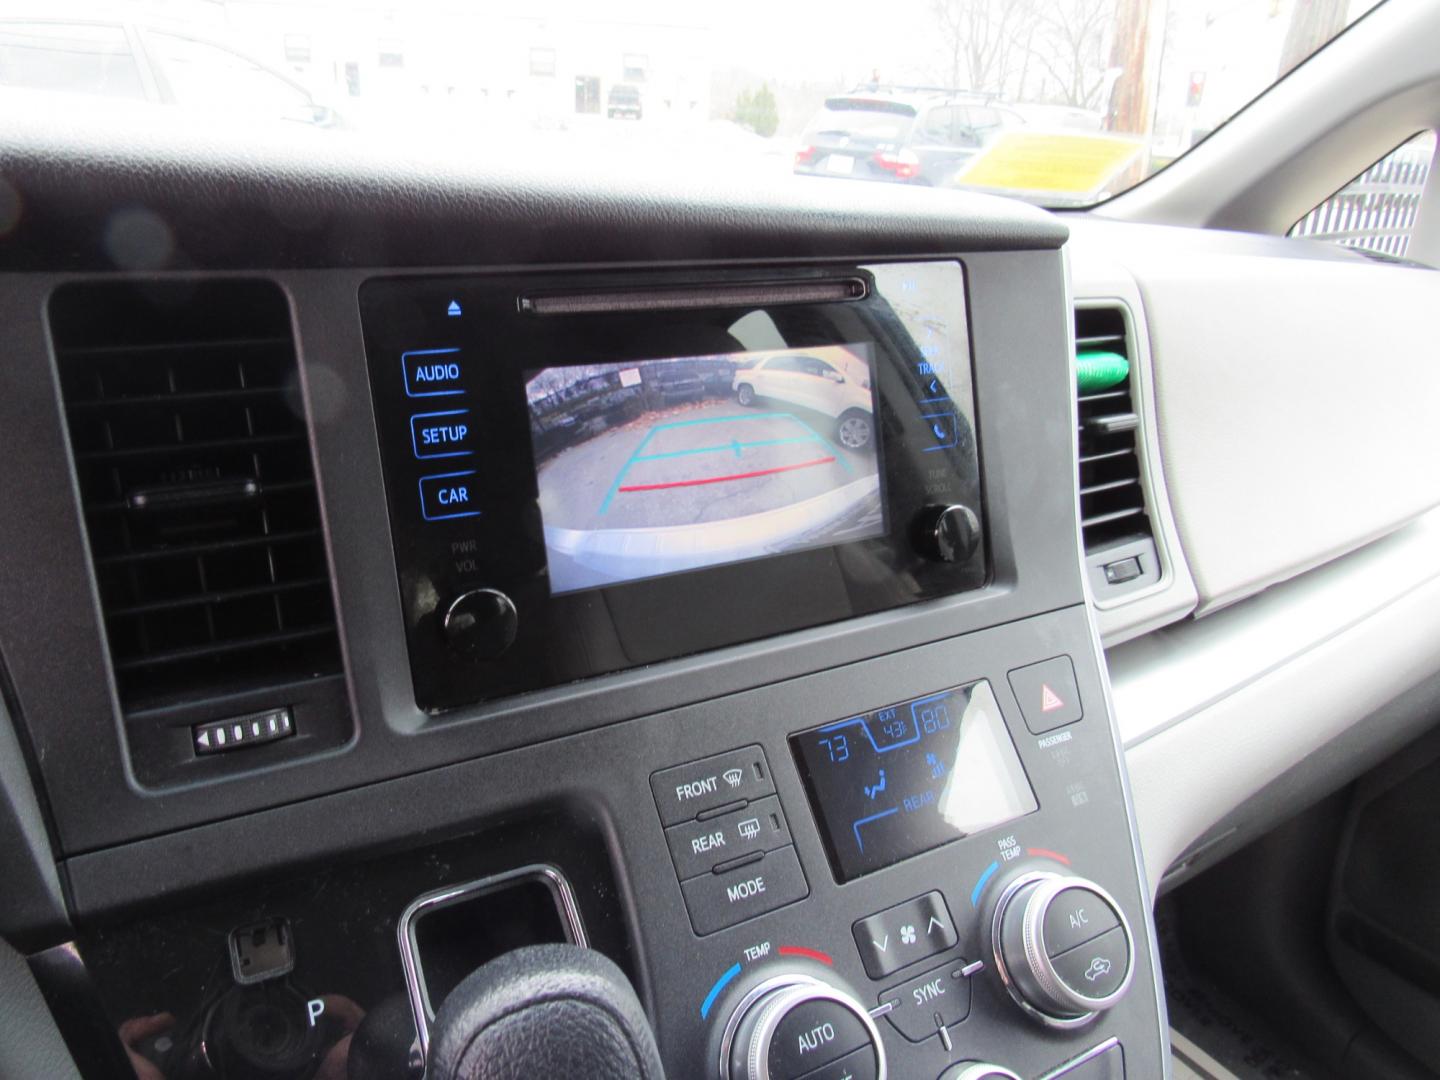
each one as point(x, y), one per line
point(837, 387)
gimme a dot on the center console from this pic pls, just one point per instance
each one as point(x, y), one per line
point(735, 630)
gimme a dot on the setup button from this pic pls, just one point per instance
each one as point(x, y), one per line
point(442, 434)
point(449, 495)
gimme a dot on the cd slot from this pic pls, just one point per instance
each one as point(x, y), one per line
point(767, 294)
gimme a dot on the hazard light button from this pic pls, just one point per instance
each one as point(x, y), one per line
point(1047, 694)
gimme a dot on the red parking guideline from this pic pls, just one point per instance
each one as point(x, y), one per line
point(732, 476)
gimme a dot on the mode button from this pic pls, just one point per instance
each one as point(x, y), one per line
point(716, 901)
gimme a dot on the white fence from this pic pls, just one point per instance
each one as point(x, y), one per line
point(1376, 211)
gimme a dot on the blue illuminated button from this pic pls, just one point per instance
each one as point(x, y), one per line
point(441, 434)
point(942, 430)
point(449, 495)
point(433, 372)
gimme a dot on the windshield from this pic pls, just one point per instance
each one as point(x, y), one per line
point(1060, 102)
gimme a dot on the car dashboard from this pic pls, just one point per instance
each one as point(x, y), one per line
point(407, 563)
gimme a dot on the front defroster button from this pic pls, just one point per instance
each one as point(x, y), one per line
point(717, 901)
point(687, 791)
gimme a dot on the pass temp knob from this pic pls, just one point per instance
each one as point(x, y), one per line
point(790, 1027)
point(1062, 947)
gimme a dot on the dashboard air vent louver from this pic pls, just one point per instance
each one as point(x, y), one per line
point(1119, 543)
point(193, 461)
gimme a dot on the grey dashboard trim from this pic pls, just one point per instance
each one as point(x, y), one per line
point(32, 904)
point(1107, 693)
point(195, 194)
point(1214, 710)
point(1295, 408)
point(1098, 281)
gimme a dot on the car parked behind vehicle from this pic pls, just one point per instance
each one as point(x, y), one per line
point(914, 135)
point(812, 383)
point(623, 102)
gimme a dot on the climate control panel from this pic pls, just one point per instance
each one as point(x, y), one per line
point(942, 885)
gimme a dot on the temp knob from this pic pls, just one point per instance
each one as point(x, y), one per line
point(481, 623)
point(946, 533)
point(1062, 947)
point(790, 1027)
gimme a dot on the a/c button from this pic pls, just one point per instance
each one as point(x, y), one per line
point(449, 495)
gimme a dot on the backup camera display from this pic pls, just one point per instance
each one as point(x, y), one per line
point(660, 466)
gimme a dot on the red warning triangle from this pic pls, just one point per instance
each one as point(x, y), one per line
point(1049, 700)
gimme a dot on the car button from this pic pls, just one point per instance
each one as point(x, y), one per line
point(899, 936)
point(449, 495)
point(928, 1002)
point(687, 791)
point(815, 1034)
point(1097, 968)
point(1047, 694)
point(716, 901)
point(1074, 917)
point(697, 847)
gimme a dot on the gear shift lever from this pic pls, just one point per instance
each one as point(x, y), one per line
point(541, 1012)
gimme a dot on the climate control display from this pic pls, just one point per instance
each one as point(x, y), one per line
point(909, 777)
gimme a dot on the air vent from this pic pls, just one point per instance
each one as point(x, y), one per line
point(1119, 544)
point(193, 462)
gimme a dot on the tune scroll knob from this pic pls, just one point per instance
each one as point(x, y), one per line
point(1062, 947)
point(792, 1026)
point(948, 533)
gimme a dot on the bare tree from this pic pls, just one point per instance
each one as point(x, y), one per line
point(1312, 24)
point(1070, 48)
point(982, 40)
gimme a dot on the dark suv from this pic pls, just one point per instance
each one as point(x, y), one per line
point(914, 135)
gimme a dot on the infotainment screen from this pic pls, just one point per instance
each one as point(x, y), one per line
point(659, 466)
point(909, 777)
